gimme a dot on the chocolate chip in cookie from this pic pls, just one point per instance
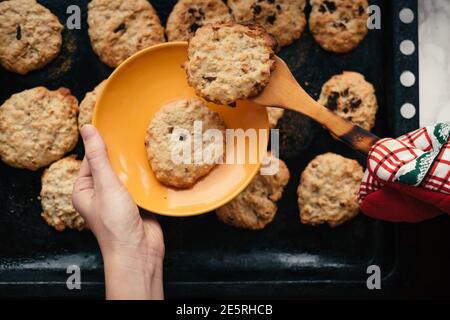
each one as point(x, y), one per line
point(339, 25)
point(284, 19)
point(350, 96)
point(189, 15)
point(30, 36)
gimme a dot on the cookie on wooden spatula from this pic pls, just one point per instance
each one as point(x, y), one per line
point(229, 62)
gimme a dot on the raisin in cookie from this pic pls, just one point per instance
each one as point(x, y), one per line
point(284, 19)
point(189, 15)
point(229, 62)
point(120, 28)
point(37, 127)
point(87, 105)
point(30, 36)
point(328, 190)
point(56, 195)
point(338, 25)
point(351, 97)
point(171, 130)
point(256, 206)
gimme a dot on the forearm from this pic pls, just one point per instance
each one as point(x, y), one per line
point(133, 275)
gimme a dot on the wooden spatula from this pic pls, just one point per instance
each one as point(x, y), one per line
point(283, 91)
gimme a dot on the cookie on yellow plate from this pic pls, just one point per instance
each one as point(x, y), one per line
point(168, 133)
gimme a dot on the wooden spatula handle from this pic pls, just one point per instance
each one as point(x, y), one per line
point(356, 137)
point(284, 91)
point(292, 96)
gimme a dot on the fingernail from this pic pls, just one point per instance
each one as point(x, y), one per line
point(87, 131)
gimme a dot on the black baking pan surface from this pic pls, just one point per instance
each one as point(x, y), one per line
point(204, 257)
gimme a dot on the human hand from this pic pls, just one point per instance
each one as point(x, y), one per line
point(132, 246)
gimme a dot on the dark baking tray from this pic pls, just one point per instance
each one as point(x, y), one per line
point(204, 257)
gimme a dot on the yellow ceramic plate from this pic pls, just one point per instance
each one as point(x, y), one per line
point(135, 91)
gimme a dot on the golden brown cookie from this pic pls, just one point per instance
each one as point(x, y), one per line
point(229, 62)
point(284, 19)
point(351, 97)
point(256, 206)
point(37, 127)
point(328, 190)
point(165, 137)
point(30, 35)
point(56, 195)
point(120, 28)
point(189, 15)
point(338, 25)
point(87, 105)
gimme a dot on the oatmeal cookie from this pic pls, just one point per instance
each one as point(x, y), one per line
point(170, 130)
point(30, 36)
point(229, 62)
point(120, 28)
point(189, 15)
point(338, 25)
point(87, 105)
point(56, 195)
point(328, 190)
point(256, 206)
point(37, 127)
point(284, 19)
point(351, 97)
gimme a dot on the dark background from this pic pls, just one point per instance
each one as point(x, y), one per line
point(208, 259)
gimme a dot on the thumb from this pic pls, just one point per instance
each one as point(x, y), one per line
point(97, 157)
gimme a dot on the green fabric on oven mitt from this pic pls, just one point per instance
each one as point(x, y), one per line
point(407, 179)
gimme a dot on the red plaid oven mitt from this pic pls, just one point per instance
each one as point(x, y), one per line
point(407, 179)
